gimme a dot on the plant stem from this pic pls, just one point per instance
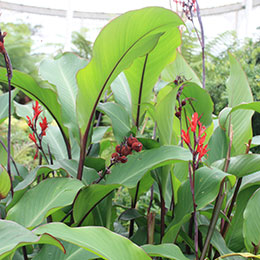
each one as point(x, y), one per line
point(140, 93)
point(25, 257)
point(163, 211)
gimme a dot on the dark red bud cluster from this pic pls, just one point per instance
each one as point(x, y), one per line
point(126, 148)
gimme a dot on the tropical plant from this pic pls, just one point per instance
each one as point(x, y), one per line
point(201, 182)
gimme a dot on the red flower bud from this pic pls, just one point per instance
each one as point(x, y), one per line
point(178, 114)
point(183, 102)
point(123, 159)
point(118, 148)
point(131, 140)
point(126, 150)
point(137, 146)
point(115, 156)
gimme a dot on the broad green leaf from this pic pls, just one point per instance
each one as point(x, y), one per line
point(45, 95)
point(251, 225)
point(88, 198)
point(44, 199)
point(217, 146)
point(115, 49)
point(5, 183)
point(138, 164)
point(247, 106)
point(234, 238)
point(62, 72)
point(73, 252)
point(129, 214)
point(170, 251)
point(247, 255)
point(238, 92)
point(145, 71)
point(98, 133)
point(179, 67)
point(207, 183)
point(164, 113)
point(122, 93)
point(241, 165)
point(13, 236)
point(98, 240)
point(4, 102)
point(119, 117)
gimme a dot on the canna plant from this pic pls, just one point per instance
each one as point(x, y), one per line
point(134, 119)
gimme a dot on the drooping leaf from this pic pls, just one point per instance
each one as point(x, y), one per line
point(121, 48)
point(44, 199)
point(241, 165)
point(170, 251)
point(247, 255)
point(62, 74)
point(98, 240)
point(238, 92)
point(207, 183)
point(251, 225)
point(13, 236)
point(179, 67)
point(5, 183)
point(119, 117)
point(138, 164)
point(88, 198)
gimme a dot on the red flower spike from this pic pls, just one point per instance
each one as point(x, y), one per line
point(186, 136)
point(123, 159)
point(201, 128)
point(29, 122)
point(137, 146)
point(43, 126)
point(202, 139)
point(194, 122)
point(37, 110)
point(33, 138)
point(202, 150)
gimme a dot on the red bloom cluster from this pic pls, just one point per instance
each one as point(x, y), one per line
point(32, 124)
point(199, 148)
point(126, 148)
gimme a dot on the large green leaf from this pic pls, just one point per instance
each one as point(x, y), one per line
point(241, 165)
point(88, 198)
point(73, 252)
point(179, 67)
point(115, 49)
point(138, 164)
point(62, 72)
point(145, 71)
point(207, 183)
point(98, 240)
point(119, 117)
point(43, 200)
point(45, 95)
point(251, 226)
point(122, 93)
point(170, 251)
point(5, 183)
point(238, 92)
point(4, 102)
point(13, 236)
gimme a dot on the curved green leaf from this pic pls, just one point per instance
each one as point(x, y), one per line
point(119, 117)
point(13, 236)
point(138, 164)
point(251, 225)
point(43, 200)
point(241, 165)
point(239, 91)
point(88, 198)
point(179, 67)
point(62, 74)
point(115, 49)
point(5, 183)
point(73, 252)
point(207, 183)
point(98, 240)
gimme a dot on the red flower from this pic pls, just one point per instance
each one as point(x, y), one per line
point(33, 138)
point(202, 150)
point(194, 122)
point(43, 126)
point(36, 154)
point(29, 122)
point(37, 110)
point(201, 128)
point(186, 136)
